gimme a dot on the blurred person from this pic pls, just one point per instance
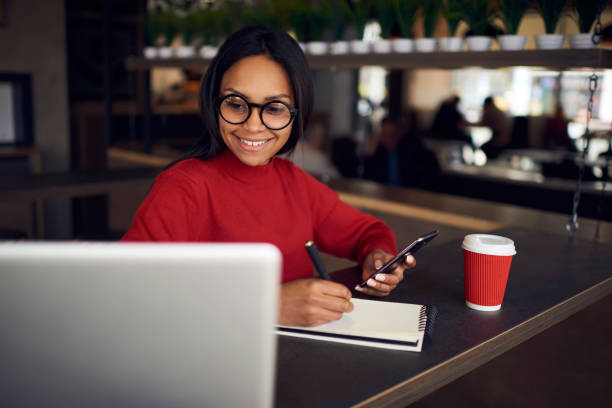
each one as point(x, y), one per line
point(309, 154)
point(500, 125)
point(400, 158)
point(555, 131)
point(344, 155)
point(449, 123)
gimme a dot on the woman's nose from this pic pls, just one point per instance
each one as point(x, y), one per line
point(254, 122)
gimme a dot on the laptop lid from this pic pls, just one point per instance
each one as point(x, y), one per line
point(138, 325)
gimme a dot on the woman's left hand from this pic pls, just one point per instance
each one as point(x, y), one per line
point(384, 283)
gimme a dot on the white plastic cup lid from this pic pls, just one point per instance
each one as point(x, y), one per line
point(489, 244)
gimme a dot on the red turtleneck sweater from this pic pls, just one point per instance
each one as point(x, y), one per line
point(224, 200)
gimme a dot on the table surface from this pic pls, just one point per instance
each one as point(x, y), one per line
point(551, 278)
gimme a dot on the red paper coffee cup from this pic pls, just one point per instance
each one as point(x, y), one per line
point(486, 265)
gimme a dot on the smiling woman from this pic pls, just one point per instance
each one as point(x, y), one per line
point(255, 101)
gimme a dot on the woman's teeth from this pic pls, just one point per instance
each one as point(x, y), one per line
point(250, 143)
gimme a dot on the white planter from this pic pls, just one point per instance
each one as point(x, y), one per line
point(425, 44)
point(339, 47)
point(450, 44)
point(208, 51)
point(583, 41)
point(382, 46)
point(511, 42)
point(360, 47)
point(549, 41)
point(185, 51)
point(402, 45)
point(165, 52)
point(479, 42)
point(317, 47)
point(150, 52)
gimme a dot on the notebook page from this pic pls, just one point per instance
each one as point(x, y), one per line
point(377, 319)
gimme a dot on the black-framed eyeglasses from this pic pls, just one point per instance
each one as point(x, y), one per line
point(275, 115)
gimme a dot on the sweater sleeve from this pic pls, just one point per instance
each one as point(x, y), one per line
point(171, 211)
point(344, 231)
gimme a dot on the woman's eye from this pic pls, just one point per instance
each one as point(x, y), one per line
point(235, 105)
point(276, 109)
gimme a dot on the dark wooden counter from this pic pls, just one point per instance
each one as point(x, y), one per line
point(551, 278)
point(462, 212)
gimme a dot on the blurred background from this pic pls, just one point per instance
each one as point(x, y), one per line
point(97, 96)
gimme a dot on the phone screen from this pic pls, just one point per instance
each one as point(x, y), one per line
point(414, 246)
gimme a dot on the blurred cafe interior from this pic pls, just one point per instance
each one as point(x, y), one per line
point(97, 97)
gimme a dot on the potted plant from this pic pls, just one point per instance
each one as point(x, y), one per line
point(318, 21)
point(585, 12)
point(213, 24)
point(478, 14)
point(187, 26)
point(169, 27)
point(452, 10)
point(550, 11)
point(385, 14)
point(339, 12)
point(430, 10)
point(405, 11)
point(511, 13)
point(360, 14)
point(298, 18)
point(154, 24)
point(268, 13)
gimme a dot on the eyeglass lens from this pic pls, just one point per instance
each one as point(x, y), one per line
point(274, 115)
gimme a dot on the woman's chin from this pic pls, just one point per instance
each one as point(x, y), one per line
point(253, 158)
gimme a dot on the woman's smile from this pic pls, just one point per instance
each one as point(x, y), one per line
point(253, 145)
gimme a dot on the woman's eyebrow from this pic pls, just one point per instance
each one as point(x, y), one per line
point(268, 98)
point(279, 96)
point(232, 90)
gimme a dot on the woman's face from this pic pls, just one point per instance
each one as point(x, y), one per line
point(258, 79)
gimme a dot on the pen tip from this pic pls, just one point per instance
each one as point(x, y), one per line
point(308, 243)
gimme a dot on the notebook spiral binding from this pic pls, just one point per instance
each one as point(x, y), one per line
point(427, 319)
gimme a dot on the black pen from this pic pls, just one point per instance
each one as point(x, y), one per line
point(316, 260)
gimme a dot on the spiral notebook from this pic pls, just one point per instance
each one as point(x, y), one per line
point(374, 323)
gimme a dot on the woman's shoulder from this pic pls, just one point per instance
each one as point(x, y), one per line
point(192, 167)
point(289, 168)
point(192, 171)
point(284, 164)
point(300, 177)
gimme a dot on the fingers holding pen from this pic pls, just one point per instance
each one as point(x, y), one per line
point(311, 302)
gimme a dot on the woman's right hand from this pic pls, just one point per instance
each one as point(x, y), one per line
point(312, 302)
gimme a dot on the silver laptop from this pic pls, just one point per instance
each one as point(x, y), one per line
point(137, 325)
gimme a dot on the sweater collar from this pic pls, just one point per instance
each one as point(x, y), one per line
point(234, 168)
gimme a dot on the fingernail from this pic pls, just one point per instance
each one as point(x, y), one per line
point(378, 263)
point(409, 259)
point(381, 277)
point(371, 282)
point(358, 288)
